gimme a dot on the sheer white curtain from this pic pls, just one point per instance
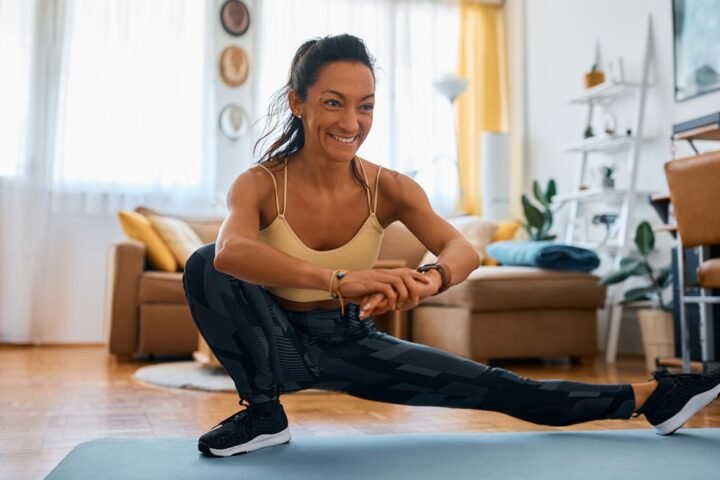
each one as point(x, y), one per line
point(22, 204)
point(132, 122)
point(414, 42)
point(103, 105)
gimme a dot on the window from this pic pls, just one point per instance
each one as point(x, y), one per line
point(132, 96)
point(16, 18)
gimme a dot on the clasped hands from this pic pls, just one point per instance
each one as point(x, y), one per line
point(380, 290)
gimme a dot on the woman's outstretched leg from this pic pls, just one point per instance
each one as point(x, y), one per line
point(255, 343)
point(383, 368)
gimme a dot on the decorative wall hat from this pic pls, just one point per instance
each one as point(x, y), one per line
point(235, 17)
point(234, 66)
point(233, 121)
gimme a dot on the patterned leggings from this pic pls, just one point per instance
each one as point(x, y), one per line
point(268, 350)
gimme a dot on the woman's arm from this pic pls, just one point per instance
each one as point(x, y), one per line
point(239, 253)
point(442, 239)
point(413, 209)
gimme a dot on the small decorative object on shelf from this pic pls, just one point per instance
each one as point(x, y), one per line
point(538, 222)
point(608, 181)
point(606, 219)
point(609, 123)
point(594, 77)
point(588, 133)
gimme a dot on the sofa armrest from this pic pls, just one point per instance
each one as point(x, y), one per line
point(126, 262)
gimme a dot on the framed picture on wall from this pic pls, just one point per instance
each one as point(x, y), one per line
point(696, 45)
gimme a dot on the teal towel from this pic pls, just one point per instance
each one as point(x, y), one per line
point(543, 254)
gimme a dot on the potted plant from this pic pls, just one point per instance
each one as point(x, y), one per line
point(656, 323)
point(539, 220)
point(608, 181)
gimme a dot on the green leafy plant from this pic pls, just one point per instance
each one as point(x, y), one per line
point(639, 266)
point(539, 220)
point(607, 171)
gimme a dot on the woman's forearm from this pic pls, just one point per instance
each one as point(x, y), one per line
point(261, 264)
point(461, 258)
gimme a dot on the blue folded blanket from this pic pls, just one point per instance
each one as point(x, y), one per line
point(544, 254)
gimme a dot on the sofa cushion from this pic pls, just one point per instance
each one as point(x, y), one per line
point(477, 232)
point(523, 288)
point(138, 227)
point(161, 287)
point(180, 238)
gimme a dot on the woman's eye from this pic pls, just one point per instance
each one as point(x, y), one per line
point(332, 103)
point(368, 107)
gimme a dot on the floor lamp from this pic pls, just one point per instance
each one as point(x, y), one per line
point(451, 86)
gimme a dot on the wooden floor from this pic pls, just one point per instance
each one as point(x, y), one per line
point(53, 398)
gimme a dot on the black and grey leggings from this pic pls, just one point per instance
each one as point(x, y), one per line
point(268, 350)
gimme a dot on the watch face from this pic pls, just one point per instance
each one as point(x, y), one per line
point(235, 17)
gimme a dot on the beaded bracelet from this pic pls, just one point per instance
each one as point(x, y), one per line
point(335, 292)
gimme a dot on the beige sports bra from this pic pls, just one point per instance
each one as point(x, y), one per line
point(360, 253)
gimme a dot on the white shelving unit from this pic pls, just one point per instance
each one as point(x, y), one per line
point(617, 244)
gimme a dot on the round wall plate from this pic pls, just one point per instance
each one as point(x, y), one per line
point(233, 121)
point(235, 17)
point(234, 66)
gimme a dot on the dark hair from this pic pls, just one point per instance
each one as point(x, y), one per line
point(306, 64)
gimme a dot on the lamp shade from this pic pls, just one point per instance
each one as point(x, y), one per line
point(450, 86)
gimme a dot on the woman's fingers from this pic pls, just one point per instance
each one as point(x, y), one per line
point(371, 303)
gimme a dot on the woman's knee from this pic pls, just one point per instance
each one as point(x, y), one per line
point(196, 264)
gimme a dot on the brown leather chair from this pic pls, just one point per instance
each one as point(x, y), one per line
point(694, 184)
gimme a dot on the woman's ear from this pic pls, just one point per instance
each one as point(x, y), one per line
point(295, 104)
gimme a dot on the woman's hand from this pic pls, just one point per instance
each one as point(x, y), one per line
point(398, 286)
point(377, 304)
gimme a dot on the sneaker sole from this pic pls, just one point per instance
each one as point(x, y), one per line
point(696, 403)
point(261, 441)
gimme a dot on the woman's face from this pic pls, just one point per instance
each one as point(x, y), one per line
point(338, 111)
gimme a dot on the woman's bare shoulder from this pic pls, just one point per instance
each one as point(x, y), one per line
point(252, 185)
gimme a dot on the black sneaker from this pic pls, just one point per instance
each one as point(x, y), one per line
point(256, 427)
point(679, 397)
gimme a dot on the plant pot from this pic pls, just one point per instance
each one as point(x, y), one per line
point(656, 329)
point(594, 78)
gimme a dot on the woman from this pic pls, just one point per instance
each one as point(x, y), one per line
point(284, 297)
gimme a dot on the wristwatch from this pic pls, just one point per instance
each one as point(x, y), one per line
point(444, 272)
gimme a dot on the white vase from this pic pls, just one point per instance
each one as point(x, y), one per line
point(656, 329)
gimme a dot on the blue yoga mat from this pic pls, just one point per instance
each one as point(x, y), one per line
point(619, 454)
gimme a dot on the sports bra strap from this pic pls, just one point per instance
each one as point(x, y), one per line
point(367, 191)
point(275, 188)
point(285, 190)
point(377, 185)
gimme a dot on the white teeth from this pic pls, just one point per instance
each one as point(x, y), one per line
point(343, 140)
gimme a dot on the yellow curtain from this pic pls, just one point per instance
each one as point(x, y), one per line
point(483, 106)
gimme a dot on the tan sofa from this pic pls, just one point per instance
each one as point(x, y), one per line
point(499, 312)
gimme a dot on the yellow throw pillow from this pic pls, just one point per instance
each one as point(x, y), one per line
point(138, 227)
point(506, 230)
point(179, 237)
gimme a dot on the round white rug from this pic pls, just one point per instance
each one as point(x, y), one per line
point(188, 374)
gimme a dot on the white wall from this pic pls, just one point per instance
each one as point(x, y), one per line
point(560, 42)
point(559, 45)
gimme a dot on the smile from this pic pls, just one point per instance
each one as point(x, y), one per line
point(346, 140)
